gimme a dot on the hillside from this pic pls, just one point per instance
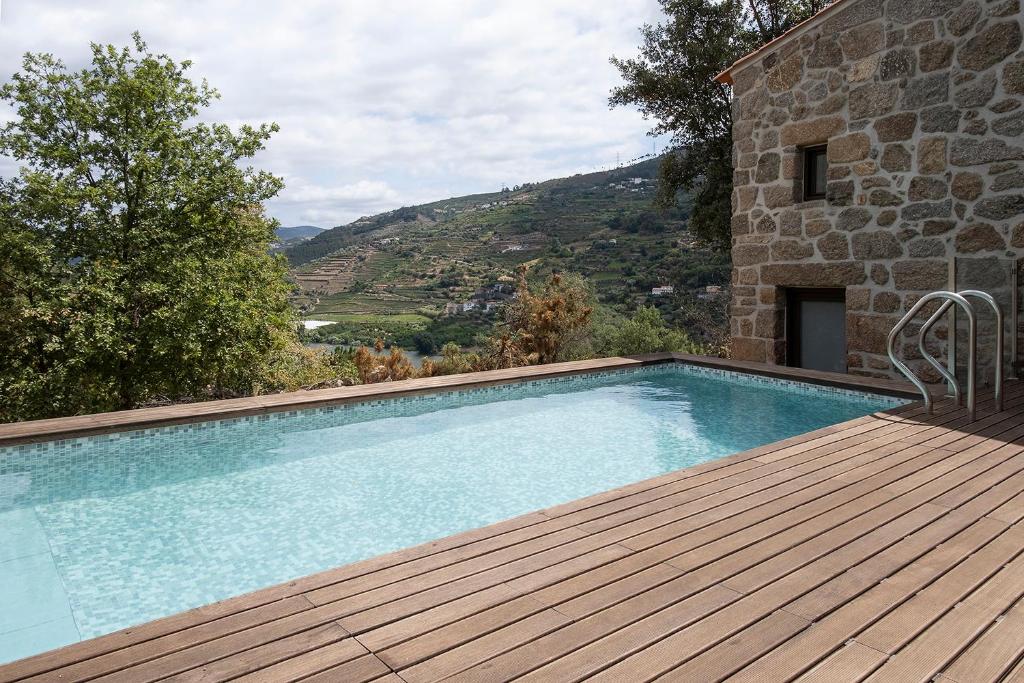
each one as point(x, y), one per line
point(394, 273)
point(297, 232)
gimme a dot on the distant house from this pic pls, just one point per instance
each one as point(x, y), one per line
point(491, 306)
point(710, 292)
point(469, 306)
point(663, 290)
point(451, 308)
point(877, 157)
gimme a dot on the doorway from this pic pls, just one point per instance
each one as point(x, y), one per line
point(816, 329)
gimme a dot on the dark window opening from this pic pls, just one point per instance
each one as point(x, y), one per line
point(816, 329)
point(815, 172)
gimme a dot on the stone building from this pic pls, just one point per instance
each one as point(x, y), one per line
point(878, 155)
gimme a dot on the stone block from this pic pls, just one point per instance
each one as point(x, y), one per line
point(976, 93)
point(920, 274)
point(876, 245)
point(839, 193)
point(777, 196)
point(991, 45)
point(812, 131)
point(825, 54)
point(921, 210)
point(921, 32)
point(886, 302)
point(749, 349)
point(1008, 181)
point(969, 152)
point(749, 254)
point(884, 198)
point(926, 248)
point(1011, 126)
point(923, 188)
point(937, 227)
point(966, 186)
point(847, 148)
point(861, 41)
point(786, 74)
point(868, 333)
point(790, 223)
point(765, 225)
point(768, 165)
point(879, 274)
point(872, 100)
point(931, 155)
point(791, 250)
point(979, 237)
point(924, 91)
point(896, 158)
point(834, 246)
point(935, 55)
point(940, 119)
point(835, 274)
point(1001, 207)
point(863, 69)
point(896, 127)
point(963, 19)
point(898, 63)
point(1013, 77)
point(853, 218)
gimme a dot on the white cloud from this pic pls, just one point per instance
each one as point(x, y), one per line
point(382, 103)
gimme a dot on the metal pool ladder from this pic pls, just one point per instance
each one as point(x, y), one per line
point(948, 300)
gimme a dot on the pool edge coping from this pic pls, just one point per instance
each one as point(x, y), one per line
point(55, 429)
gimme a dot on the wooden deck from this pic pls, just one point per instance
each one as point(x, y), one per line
point(888, 548)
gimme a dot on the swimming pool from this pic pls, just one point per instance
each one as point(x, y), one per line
point(104, 532)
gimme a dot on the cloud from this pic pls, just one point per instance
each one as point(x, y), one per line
point(386, 103)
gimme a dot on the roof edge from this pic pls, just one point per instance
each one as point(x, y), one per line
point(726, 75)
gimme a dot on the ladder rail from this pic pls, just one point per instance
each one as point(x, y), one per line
point(998, 311)
point(948, 375)
point(972, 321)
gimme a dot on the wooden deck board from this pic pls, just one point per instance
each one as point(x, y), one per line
point(887, 548)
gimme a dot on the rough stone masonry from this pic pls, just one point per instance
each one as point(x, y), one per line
point(921, 103)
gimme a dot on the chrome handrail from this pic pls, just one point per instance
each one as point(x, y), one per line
point(950, 298)
point(997, 309)
point(949, 376)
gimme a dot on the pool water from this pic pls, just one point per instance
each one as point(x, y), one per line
point(100, 533)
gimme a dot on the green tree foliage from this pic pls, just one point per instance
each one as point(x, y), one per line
point(646, 332)
point(133, 247)
point(672, 81)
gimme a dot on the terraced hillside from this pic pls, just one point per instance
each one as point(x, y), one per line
point(396, 272)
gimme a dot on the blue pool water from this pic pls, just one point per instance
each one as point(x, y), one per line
point(101, 533)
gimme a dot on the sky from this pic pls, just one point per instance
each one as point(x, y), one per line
point(381, 103)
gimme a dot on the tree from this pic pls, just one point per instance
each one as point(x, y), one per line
point(134, 257)
point(672, 81)
point(646, 332)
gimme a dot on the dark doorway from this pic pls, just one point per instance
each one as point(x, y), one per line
point(816, 329)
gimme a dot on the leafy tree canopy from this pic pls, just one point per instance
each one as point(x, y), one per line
point(672, 82)
point(134, 257)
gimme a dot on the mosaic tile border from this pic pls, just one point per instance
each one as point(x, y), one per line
point(393, 406)
point(796, 386)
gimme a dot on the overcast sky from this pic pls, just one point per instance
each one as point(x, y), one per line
point(381, 104)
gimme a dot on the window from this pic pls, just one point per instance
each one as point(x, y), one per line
point(815, 172)
point(816, 329)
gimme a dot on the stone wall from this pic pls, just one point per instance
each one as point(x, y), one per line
point(920, 102)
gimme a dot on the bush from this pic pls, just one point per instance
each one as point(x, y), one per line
point(646, 332)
